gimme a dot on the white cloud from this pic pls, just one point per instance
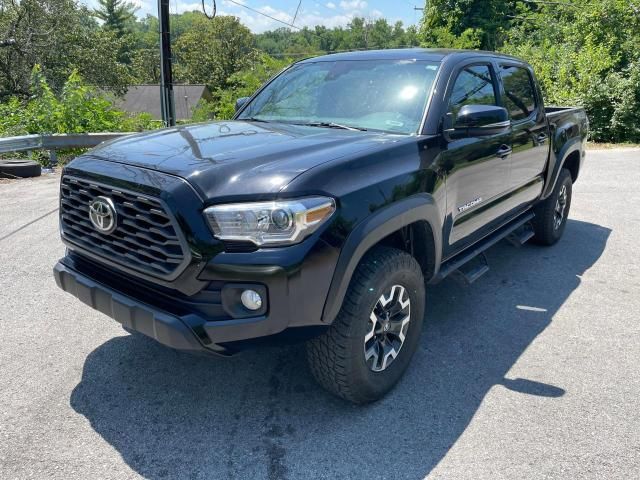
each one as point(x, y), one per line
point(330, 5)
point(353, 5)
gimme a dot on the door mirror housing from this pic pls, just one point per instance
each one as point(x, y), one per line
point(477, 121)
point(241, 102)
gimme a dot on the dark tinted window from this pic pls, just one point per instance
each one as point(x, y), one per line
point(473, 87)
point(519, 98)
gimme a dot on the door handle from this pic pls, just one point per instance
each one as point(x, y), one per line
point(504, 151)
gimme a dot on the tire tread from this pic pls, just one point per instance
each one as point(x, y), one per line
point(328, 355)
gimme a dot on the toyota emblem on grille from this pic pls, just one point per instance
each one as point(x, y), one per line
point(102, 214)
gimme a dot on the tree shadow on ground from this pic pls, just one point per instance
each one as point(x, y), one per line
point(260, 415)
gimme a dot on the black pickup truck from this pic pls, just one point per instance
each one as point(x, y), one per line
point(341, 187)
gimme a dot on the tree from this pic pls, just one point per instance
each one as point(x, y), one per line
point(115, 14)
point(60, 36)
point(587, 56)
point(467, 23)
point(212, 50)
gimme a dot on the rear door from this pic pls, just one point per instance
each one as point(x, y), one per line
point(477, 168)
point(529, 129)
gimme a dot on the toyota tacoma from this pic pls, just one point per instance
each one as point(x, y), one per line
point(339, 190)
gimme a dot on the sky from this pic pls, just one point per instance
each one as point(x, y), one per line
point(312, 12)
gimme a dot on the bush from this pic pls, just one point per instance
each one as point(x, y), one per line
point(78, 109)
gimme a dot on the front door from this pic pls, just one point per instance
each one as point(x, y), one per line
point(476, 168)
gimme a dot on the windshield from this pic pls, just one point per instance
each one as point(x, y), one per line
point(374, 95)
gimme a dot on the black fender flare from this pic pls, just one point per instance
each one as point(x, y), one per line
point(555, 166)
point(370, 231)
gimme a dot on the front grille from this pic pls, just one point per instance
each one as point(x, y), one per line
point(145, 238)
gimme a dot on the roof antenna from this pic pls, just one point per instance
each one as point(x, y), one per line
point(213, 15)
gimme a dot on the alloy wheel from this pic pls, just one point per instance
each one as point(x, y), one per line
point(561, 205)
point(388, 325)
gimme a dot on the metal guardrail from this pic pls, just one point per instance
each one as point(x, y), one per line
point(55, 142)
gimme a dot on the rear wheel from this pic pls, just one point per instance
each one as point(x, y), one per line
point(551, 214)
point(372, 340)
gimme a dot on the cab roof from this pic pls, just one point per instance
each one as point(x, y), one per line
point(429, 54)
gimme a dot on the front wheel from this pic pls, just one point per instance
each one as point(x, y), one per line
point(551, 213)
point(369, 346)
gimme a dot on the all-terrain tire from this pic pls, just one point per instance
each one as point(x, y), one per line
point(551, 214)
point(18, 168)
point(337, 357)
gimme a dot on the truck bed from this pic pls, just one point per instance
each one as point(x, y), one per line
point(554, 111)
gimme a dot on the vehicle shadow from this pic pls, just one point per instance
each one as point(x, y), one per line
point(260, 415)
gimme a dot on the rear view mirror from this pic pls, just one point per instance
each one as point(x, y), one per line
point(241, 102)
point(477, 121)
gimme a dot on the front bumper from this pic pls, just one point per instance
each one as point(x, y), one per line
point(202, 322)
point(168, 329)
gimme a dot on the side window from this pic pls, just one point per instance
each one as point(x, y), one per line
point(474, 86)
point(519, 97)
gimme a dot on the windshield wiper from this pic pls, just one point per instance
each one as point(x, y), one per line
point(254, 119)
point(332, 125)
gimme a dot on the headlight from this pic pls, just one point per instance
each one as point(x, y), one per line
point(282, 222)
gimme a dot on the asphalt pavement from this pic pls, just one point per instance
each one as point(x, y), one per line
point(531, 372)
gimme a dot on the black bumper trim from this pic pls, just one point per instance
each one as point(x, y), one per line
point(167, 329)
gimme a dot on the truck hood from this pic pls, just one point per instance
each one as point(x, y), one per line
point(235, 158)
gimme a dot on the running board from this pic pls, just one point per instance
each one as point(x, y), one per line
point(471, 275)
point(521, 236)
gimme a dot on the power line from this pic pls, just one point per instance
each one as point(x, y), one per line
point(297, 10)
point(264, 14)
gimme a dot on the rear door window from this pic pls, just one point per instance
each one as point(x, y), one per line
point(519, 97)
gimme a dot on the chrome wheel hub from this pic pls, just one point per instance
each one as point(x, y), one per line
point(561, 205)
point(388, 325)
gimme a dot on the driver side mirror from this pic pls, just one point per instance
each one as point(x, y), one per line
point(241, 102)
point(476, 121)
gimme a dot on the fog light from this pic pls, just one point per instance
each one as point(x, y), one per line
point(251, 299)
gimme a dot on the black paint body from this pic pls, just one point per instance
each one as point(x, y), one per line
point(381, 182)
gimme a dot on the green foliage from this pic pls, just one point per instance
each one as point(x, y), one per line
point(61, 36)
point(613, 106)
point(466, 23)
point(359, 34)
point(78, 109)
point(213, 50)
point(583, 53)
point(586, 56)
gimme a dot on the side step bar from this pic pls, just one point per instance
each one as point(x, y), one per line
point(518, 232)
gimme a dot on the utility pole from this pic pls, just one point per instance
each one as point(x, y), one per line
point(167, 105)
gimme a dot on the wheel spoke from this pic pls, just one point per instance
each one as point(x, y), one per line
point(374, 323)
point(403, 328)
point(388, 353)
point(373, 352)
